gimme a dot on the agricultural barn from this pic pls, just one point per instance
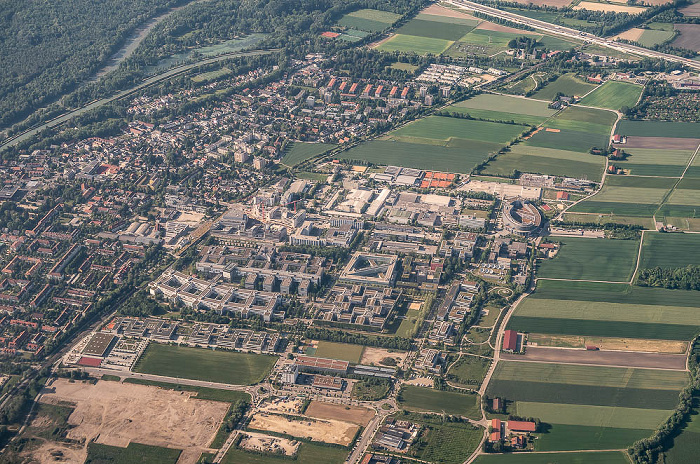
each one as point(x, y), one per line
point(521, 426)
point(510, 340)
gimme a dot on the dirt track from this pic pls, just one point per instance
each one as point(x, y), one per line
point(668, 143)
point(603, 358)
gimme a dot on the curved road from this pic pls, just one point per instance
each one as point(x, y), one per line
point(572, 33)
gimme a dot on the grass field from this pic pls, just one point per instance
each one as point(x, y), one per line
point(422, 156)
point(133, 454)
point(414, 44)
point(424, 26)
point(500, 108)
point(369, 20)
point(655, 162)
point(446, 443)
point(566, 139)
point(659, 129)
point(446, 128)
point(686, 446)
point(614, 95)
point(561, 437)
point(525, 158)
point(670, 250)
point(626, 197)
point(427, 399)
point(591, 259)
point(568, 84)
point(202, 364)
point(345, 351)
point(308, 452)
point(469, 371)
point(651, 37)
point(301, 151)
point(607, 457)
point(598, 416)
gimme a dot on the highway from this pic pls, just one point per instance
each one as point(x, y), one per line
point(572, 33)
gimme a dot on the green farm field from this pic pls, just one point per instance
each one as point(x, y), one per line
point(686, 446)
point(301, 151)
point(505, 103)
point(568, 84)
point(565, 139)
point(670, 250)
point(525, 158)
point(426, 399)
point(606, 457)
point(659, 129)
point(598, 416)
point(369, 20)
point(603, 119)
point(651, 37)
point(627, 196)
point(655, 162)
point(422, 156)
point(202, 364)
point(469, 370)
point(613, 95)
point(446, 128)
point(561, 437)
point(308, 452)
point(424, 26)
point(344, 351)
point(414, 44)
point(134, 453)
point(581, 258)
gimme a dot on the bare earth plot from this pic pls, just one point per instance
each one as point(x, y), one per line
point(327, 431)
point(689, 37)
point(668, 143)
point(603, 358)
point(691, 10)
point(352, 414)
point(608, 7)
point(115, 414)
point(438, 10)
point(375, 355)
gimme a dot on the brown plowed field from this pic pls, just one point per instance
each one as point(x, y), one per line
point(669, 143)
point(689, 37)
point(603, 358)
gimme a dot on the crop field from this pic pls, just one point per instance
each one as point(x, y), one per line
point(670, 250)
point(659, 129)
point(427, 399)
point(568, 84)
point(598, 416)
point(550, 161)
point(369, 20)
point(134, 453)
point(345, 351)
point(614, 95)
point(589, 115)
point(425, 26)
point(446, 128)
point(308, 452)
point(689, 37)
point(422, 156)
point(569, 374)
point(606, 457)
point(651, 37)
point(591, 259)
point(655, 162)
point(201, 364)
point(498, 108)
point(625, 196)
point(565, 139)
point(447, 443)
point(414, 44)
point(686, 446)
point(561, 437)
point(301, 151)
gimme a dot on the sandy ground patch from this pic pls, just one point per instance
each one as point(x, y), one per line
point(669, 143)
point(352, 414)
point(115, 414)
point(614, 344)
point(53, 452)
point(487, 26)
point(594, 6)
point(420, 382)
point(602, 358)
point(267, 444)
point(191, 218)
point(438, 10)
point(373, 355)
point(630, 34)
point(327, 431)
point(288, 406)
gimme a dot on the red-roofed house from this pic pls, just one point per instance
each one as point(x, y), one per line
point(510, 340)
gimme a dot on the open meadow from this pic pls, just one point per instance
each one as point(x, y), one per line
point(568, 84)
point(344, 351)
point(614, 95)
point(503, 108)
point(202, 364)
point(608, 457)
point(426, 399)
point(670, 250)
point(369, 20)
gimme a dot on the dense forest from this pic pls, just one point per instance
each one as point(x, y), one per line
point(47, 48)
point(685, 278)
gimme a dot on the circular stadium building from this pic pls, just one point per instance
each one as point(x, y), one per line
point(521, 217)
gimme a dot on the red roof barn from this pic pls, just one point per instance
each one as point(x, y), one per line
point(510, 340)
point(521, 426)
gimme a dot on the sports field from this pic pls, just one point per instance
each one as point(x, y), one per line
point(202, 364)
point(344, 351)
point(568, 84)
point(414, 44)
point(301, 151)
point(670, 250)
point(606, 457)
point(581, 258)
point(369, 20)
point(598, 416)
point(423, 156)
point(447, 129)
point(659, 129)
point(613, 95)
point(427, 399)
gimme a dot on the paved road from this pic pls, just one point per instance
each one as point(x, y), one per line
point(572, 33)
